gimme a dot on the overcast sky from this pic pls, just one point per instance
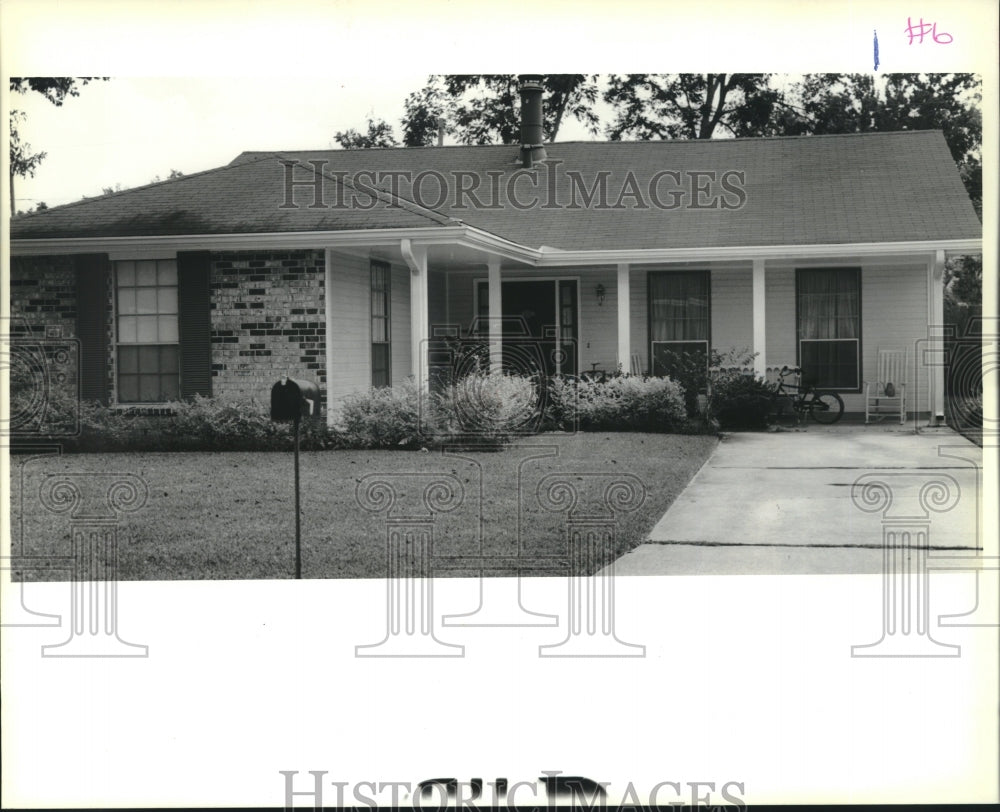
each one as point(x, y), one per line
point(129, 130)
point(307, 71)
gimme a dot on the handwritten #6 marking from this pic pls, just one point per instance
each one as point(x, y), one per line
point(920, 30)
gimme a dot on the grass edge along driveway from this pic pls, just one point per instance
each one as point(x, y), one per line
point(213, 516)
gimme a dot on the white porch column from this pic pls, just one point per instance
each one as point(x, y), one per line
point(416, 260)
point(496, 314)
point(935, 326)
point(624, 322)
point(759, 319)
point(328, 317)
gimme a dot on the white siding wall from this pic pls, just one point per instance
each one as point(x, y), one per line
point(599, 323)
point(779, 307)
point(349, 340)
point(893, 316)
point(732, 307)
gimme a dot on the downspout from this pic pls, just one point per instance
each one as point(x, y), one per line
point(936, 325)
point(416, 261)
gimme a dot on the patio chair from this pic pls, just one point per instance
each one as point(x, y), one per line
point(886, 395)
point(636, 364)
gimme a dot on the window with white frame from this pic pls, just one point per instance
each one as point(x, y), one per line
point(147, 331)
point(828, 307)
point(679, 320)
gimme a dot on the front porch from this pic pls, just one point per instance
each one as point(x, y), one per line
point(624, 316)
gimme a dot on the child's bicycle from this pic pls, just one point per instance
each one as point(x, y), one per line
point(824, 407)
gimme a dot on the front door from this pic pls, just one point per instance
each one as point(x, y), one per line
point(539, 323)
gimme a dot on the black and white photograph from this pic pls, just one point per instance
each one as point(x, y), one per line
point(353, 400)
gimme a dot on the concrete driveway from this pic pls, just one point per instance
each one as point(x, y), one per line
point(781, 502)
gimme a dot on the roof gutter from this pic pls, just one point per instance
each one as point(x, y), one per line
point(473, 238)
point(553, 257)
point(150, 245)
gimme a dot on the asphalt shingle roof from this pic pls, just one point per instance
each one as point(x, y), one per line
point(872, 187)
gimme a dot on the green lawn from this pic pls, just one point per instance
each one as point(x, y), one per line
point(230, 515)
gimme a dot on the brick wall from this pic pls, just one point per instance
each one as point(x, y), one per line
point(43, 296)
point(43, 309)
point(268, 320)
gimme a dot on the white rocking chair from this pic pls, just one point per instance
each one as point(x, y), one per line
point(887, 394)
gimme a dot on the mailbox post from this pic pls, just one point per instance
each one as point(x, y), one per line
point(290, 400)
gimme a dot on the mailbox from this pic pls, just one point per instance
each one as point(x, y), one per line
point(292, 399)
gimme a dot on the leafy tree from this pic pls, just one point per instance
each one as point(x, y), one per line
point(174, 173)
point(964, 278)
point(426, 110)
point(652, 106)
point(692, 105)
point(23, 162)
point(847, 103)
point(963, 290)
point(485, 108)
point(41, 205)
point(113, 190)
point(379, 135)
point(53, 88)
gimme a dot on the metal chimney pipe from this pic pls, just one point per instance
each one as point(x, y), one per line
point(532, 132)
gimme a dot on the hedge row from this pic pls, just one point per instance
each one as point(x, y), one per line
point(479, 410)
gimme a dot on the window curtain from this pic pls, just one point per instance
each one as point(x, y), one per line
point(678, 306)
point(828, 303)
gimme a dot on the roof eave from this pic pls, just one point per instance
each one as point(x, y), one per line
point(135, 247)
point(555, 257)
point(138, 247)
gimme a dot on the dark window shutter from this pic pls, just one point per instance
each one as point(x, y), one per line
point(92, 309)
point(194, 322)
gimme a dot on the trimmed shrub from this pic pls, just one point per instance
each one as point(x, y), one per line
point(387, 417)
point(202, 424)
point(37, 404)
point(213, 424)
point(740, 401)
point(736, 398)
point(691, 373)
point(488, 408)
point(618, 403)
